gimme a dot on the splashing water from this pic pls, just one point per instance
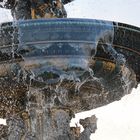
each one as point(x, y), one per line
point(57, 65)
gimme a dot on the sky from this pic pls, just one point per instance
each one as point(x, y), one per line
point(126, 11)
point(119, 120)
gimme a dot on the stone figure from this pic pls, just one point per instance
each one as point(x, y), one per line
point(34, 9)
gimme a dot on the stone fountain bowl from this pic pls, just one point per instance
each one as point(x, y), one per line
point(77, 63)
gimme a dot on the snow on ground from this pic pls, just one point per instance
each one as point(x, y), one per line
point(119, 120)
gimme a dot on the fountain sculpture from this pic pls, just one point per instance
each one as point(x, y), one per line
point(51, 69)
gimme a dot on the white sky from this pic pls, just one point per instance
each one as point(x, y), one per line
point(119, 120)
point(127, 11)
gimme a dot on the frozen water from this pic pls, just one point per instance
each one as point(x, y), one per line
point(126, 15)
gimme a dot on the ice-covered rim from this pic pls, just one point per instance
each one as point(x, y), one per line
point(126, 38)
point(77, 21)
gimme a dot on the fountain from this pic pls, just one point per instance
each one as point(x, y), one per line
point(51, 69)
